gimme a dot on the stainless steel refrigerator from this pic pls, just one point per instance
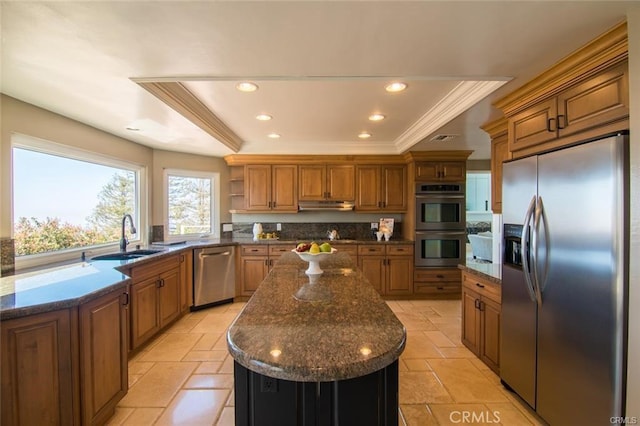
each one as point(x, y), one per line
point(565, 281)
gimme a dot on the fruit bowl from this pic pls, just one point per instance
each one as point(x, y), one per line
point(314, 260)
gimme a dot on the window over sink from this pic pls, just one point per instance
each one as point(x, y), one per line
point(66, 201)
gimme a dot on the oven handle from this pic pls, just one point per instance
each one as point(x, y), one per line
point(443, 233)
point(439, 196)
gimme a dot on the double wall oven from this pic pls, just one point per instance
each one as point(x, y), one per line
point(441, 235)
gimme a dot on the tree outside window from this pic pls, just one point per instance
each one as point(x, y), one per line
point(190, 203)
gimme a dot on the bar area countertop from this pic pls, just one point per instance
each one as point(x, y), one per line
point(327, 327)
point(489, 271)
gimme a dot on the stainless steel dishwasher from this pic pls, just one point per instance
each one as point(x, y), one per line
point(214, 276)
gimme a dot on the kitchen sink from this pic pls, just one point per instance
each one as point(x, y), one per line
point(126, 255)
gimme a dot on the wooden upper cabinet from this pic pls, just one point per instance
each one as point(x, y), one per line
point(381, 188)
point(327, 182)
point(271, 187)
point(445, 171)
point(499, 154)
point(595, 102)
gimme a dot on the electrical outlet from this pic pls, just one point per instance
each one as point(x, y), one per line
point(374, 225)
point(278, 227)
point(227, 227)
point(268, 384)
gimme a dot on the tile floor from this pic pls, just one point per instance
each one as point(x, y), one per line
point(185, 376)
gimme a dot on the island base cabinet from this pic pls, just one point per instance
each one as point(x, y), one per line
point(366, 400)
point(37, 372)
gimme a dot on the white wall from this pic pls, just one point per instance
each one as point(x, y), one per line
point(633, 373)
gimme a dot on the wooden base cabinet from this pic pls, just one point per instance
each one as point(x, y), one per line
point(481, 309)
point(437, 282)
point(37, 370)
point(388, 267)
point(256, 260)
point(103, 356)
point(155, 298)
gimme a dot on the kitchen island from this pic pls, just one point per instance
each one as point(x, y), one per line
point(317, 349)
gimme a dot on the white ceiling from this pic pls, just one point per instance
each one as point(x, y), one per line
point(321, 67)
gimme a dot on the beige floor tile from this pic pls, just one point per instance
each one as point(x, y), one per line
point(414, 321)
point(508, 414)
point(421, 387)
point(221, 343)
point(133, 378)
point(402, 366)
point(227, 418)
point(139, 367)
point(120, 415)
point(465, 382)
point(159, 385)
point(183, 325)
point(208, 367)
point(456, 414)
point(418, 346)
point(417, 364)
point(205, 356)
point(227, 366)
point(479, 364)
point(207, 341)
point(209, 381)
point(173, 347)
point(231, 401)
point(214, 323)
point(143, 416)
point(457, 352)
point(417, 415)
point(194, 407)
point(439, 339)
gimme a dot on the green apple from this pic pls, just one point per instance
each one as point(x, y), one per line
point(325, 247)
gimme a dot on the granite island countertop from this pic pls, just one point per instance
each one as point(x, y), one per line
point(330, 327)
point(487, 270)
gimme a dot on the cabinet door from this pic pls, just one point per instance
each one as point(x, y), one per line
point(368, 188)
point(453, 171)
point(595, 102)
point(399, 275)
point(144, 311)
point(471, 321)
point(254, 270)
point(490, 346)
point(341, 182)
point(103, 356)
point(284, 188)
point(186, 281)
point(312, 181)
point(257, 190)
point(373, 269)
point(169, 300)
point(394, 188)
point(499, 154)
point(533, 126)
point(36, 363)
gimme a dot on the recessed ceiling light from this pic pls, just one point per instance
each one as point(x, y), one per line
point(396, 86)
point(273, 135)
point(247, 86)
point(376, 117)
point(263, 117)
point(364, 135)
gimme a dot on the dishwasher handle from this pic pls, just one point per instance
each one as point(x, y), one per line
point(222, 253)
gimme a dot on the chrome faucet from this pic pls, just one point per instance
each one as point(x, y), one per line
point(132, 229)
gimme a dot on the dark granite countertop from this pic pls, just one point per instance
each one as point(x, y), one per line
point(61, 286)
point(490, 271)
point(334, 326)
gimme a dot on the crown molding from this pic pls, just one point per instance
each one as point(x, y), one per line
point(496, 127)
point(413, 156)
point(458, 100)
point(608, 49)
point(178, 97)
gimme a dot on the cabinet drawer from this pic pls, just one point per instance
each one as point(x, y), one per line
point(377, 250)
point(482, 286)
point(155, 268)
point(397, 250)
point(257, 250)
point(279, 249)
point(350, 249)
point(439, 275)
point(436, 288)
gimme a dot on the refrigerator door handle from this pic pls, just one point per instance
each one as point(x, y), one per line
point(540, 218)
point(524, 240)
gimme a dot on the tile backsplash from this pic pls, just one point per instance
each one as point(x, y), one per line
point(314, 231)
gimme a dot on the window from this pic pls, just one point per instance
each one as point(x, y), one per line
point(66, 200)
point(192, 203)
point(479, 191)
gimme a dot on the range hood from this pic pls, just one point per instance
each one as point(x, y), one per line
point(335, 206)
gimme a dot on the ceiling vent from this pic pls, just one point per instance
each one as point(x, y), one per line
point(442, 138)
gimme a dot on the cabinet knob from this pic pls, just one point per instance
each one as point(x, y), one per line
point(551, 121)
point(440, 276)
point(480, 285)
point(126, 299)
point(562, 121)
